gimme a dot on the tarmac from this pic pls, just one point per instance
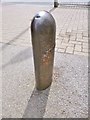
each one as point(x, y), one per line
point(67, 97)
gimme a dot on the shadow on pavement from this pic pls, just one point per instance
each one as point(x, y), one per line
point(52, 10)
point(19, 35)
point(22, 56)
point(15, 38)
point(37, 104)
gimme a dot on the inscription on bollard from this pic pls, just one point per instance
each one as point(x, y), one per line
point(43, 31)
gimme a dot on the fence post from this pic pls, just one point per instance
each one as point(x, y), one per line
point(56, 3)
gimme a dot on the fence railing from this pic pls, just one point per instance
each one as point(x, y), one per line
point(75, 3)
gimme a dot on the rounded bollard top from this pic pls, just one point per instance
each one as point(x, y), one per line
point(43, 29)
point(44, 14)
point(43, 18)
point(40, 14)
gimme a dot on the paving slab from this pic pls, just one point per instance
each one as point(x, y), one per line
point(18, 80)
point(71, 26)
point(17, 21)
point(0, 61)
point(66, 98)
point(0, 81)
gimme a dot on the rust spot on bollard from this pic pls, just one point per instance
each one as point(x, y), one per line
point(46, 57)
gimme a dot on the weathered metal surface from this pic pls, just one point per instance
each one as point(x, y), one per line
point(43, 31)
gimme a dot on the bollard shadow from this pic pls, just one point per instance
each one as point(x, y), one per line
point(37, 104)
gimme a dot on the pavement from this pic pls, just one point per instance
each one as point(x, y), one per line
point(67, 97)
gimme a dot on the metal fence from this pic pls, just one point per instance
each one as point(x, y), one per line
point(78, 4)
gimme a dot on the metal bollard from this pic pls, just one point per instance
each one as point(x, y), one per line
point(56, 3)
point(43, 31)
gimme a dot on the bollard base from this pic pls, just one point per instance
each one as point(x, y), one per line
point(40, 88)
